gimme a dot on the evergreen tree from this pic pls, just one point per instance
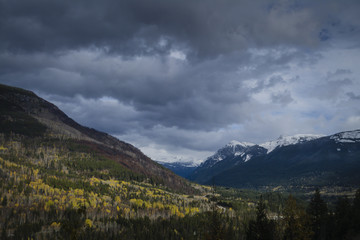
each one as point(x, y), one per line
point(216, 225)
point(4, 201)
point(356, 213)
point(73, 222)
point(318, 213)
point(3, 232)
point(296, 221)
point(342, 217)
point(262, 228)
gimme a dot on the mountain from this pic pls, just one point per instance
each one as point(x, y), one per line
point(289, 140)
point(231, 155)
point(183, 169)
point(235, 153)
point(25, 117)
point(233, 148)
point(289, 162)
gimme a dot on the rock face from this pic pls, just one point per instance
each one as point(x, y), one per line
point(293, 162)
point(24, 113)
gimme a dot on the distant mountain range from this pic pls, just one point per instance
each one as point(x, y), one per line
point(183, 169)
point(29, 118)
point(298, 161)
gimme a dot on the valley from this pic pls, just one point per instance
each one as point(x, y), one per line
point(61, 180)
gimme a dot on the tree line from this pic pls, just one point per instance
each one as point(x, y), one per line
point(316, 222)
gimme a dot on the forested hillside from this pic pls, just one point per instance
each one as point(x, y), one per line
point(60, 180)
point(25, 114)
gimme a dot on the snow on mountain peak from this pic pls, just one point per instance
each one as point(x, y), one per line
point(235, 143)
point(245, 150)
point(347, 137)
point(288, 140)
point(233, 148)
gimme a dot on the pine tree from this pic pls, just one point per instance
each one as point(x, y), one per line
point(356, 213)
point(262, 228)
point(216, 225)
point(296, 221)
point(342, 217)
point(318, 213)
point(4, 201)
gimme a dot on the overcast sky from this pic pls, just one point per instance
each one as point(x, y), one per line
point(180, 79)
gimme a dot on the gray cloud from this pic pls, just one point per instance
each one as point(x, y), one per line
point(352, 96)
point(268, 83)
point(338, 73)
point(282, 98)
point(332, 87)
point(187, 76)
point(203, 29)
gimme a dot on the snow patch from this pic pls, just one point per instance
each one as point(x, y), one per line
point(289, 140)
point(347, 137)
point(235, 143)
point(218, 158)
point(248, 157)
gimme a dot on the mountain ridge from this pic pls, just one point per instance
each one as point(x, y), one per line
point(20, 107)
point(294, 160)
point(288, 140)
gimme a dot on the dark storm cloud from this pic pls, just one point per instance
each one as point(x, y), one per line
point(188, 97)
point(135, 27)
point(180, 73)
point(129, 27)
point(166, 91)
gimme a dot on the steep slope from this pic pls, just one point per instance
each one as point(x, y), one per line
point(25, 114)
point(233, 154)
point(233, 148)
point(308, 162)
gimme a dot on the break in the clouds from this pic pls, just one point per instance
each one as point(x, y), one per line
point(179, 79)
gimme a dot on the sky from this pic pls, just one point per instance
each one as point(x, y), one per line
point(180, 79)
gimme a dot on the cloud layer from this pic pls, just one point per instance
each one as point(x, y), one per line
point(181, 78)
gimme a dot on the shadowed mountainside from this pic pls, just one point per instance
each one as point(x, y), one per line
point(24, 113)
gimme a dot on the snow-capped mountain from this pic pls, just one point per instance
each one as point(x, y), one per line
point(233, 148)
point(347, 137)
point(303, 159)
point(232, 154)
point(244, 149)
point(235, 153)
point(288, 140)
